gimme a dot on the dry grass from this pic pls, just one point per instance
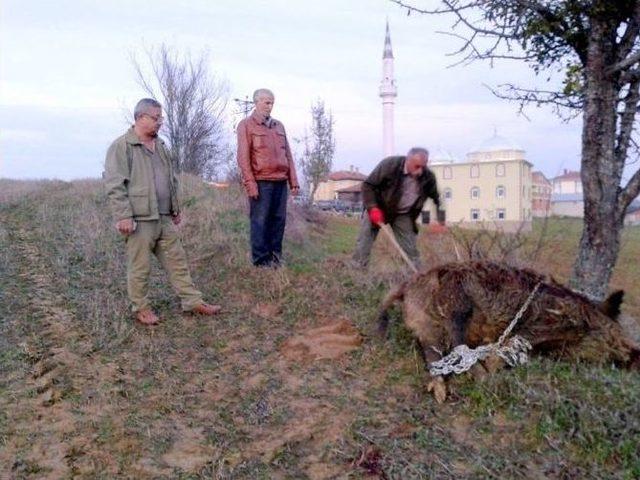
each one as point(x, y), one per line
point(84, 393)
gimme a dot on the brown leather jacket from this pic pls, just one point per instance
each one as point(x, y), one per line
point(264, 153)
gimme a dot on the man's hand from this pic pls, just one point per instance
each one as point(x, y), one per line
point(376, 216)
point(295, 191)
point(252, 191)
point(125, 226)
point(176, 219)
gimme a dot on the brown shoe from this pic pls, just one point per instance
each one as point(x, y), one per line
point(206, 309)
point(147, 317)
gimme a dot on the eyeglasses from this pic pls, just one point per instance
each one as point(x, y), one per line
point(157, 119)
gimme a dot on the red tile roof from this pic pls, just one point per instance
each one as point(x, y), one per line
point(569, 175)
point(346, 175)
point(351, 189)
point(538, 177)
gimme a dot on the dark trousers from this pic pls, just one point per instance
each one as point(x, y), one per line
point(268, 214)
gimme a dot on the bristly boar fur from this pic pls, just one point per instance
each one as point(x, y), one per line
point(473, 302)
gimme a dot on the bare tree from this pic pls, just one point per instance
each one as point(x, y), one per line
point(317, 157)
point(595, 44)
point(194, 103)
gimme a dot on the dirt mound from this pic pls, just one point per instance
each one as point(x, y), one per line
point(326, 342)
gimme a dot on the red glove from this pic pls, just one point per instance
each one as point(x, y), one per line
point(376, 216)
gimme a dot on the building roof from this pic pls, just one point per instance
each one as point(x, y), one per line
point(388, 53)
point(460, 164)
point(568, 175)
point(538, 177)
point(496, 143)
point(352, 189)
point(633, 207)
point(346, 175)
point(566, 197)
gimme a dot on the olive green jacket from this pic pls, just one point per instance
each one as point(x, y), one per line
point(382, 189)
point(129, 181)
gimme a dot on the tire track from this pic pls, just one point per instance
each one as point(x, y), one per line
point(58, 354)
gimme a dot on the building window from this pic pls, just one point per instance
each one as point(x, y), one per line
point(501, 192)
point(474, 171)
point(475, 193)
point(500, 170)
point(501, 214)
point(447, 174)
point(448, 194)
point(475, 214)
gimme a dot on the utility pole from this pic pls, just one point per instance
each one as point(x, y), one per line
point(244, 106)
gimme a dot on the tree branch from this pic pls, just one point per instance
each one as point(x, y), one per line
point(631, 190)
point(630, 36)
point(627, 118)
point(525, 96)
point(624, 64)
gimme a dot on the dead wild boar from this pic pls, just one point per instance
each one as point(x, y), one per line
point(473, 302)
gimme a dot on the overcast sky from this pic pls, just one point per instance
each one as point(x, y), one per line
point(66, 78)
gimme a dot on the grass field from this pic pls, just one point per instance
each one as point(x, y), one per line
point(85, 393)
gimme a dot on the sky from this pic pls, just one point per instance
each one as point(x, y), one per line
point(67, 85)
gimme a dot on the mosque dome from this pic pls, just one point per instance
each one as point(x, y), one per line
point(496, 147)
point(440, 156)
point(497, 143)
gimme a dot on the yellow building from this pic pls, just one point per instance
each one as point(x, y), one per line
point(328, 188)
point(491, 189)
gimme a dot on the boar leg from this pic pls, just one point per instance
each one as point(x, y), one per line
point(436, 385)
point(459, 321)
point(383, 317)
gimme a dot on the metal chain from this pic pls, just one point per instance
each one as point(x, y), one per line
point(523, 309)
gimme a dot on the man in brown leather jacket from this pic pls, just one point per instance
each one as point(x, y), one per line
point(266, 165)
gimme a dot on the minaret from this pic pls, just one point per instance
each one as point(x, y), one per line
point(388, 93)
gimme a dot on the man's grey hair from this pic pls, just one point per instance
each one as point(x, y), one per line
point(144, 106)
point(262, 91)
point(418, 151)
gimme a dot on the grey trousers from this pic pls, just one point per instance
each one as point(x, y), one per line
point(402, 229)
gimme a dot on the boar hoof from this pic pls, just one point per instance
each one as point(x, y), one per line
point(479, 373)
point(439, 389)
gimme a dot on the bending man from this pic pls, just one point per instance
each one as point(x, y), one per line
point(395, 193)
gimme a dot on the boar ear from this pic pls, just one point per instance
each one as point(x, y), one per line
point(611, 306)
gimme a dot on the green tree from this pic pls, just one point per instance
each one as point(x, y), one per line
point(595, 45)
point(319, 147)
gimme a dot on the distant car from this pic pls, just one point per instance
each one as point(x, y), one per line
point(300, 199)
point(341, 207)
point(325, 205)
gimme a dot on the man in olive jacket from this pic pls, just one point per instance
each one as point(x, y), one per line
point(142, 189)
point(395, 193)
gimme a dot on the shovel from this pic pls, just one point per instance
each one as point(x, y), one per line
point(386, 228)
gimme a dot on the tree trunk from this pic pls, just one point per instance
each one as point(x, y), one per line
point(312, 194)
point(603, 220)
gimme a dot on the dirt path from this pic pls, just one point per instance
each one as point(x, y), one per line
point(59, 354)
point(78, 412)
